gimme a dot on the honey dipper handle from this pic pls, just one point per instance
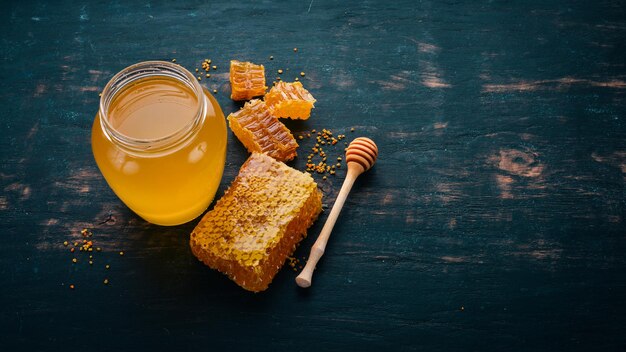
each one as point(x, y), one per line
point(305, 277)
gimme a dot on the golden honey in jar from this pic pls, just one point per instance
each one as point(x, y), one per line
point(159, 140)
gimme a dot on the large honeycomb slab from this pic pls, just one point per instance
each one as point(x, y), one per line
point(258, 222)
point(261, 132)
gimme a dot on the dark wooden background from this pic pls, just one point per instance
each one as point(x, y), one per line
point(494, 220)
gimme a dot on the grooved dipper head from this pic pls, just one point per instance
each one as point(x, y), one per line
point(362, 151)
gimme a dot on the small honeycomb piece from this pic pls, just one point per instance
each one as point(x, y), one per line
point(258, 222)
point(247, 80)
point(261, 132)
point(290, 100)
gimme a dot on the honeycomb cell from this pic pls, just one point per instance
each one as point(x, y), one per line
point(290, 100)
point(261, 132)
point(258, 222)
point(247, 80)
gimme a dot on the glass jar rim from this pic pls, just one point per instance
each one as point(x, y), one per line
point(150, 69)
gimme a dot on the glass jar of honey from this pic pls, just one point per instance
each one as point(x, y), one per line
point(159, 140)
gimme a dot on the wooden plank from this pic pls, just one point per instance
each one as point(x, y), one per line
point(494, 218)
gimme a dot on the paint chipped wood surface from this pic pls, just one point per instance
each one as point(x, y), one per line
point(493, 220)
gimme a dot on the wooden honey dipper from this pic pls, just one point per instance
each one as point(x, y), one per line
point(360, 157)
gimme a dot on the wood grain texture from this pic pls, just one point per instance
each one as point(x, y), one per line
point(494, 218)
